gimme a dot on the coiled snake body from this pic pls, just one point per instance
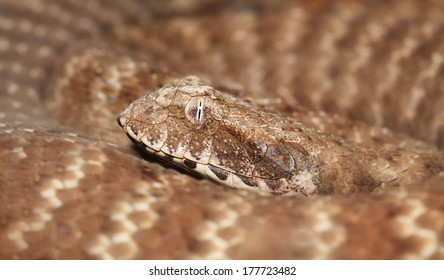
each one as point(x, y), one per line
point(337, 105)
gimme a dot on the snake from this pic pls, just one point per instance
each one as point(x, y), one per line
point(209, 129)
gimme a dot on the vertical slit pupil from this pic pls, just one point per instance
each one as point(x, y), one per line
point(199, 112)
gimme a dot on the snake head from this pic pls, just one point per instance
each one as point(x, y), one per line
point(175, 119)
point(213, 134)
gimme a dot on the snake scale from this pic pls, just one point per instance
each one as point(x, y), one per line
point(325, 116)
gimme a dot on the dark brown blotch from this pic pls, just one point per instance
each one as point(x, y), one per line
point(247, 180)
point(168, 158)
point(189, 163)
point(220, 173)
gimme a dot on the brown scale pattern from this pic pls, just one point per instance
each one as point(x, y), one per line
point(72, 188)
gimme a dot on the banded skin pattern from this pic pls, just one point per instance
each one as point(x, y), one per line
point(326, 114)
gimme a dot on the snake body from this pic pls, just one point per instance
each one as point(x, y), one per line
point(263, 115)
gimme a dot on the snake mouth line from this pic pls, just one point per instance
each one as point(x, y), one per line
point(215, 173)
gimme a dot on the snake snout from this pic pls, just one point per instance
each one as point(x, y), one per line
point(121, 121)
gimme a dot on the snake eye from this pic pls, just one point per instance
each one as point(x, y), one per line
point(195, 111)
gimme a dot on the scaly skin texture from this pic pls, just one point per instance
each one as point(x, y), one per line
point(244, 146)
point(72, 186)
